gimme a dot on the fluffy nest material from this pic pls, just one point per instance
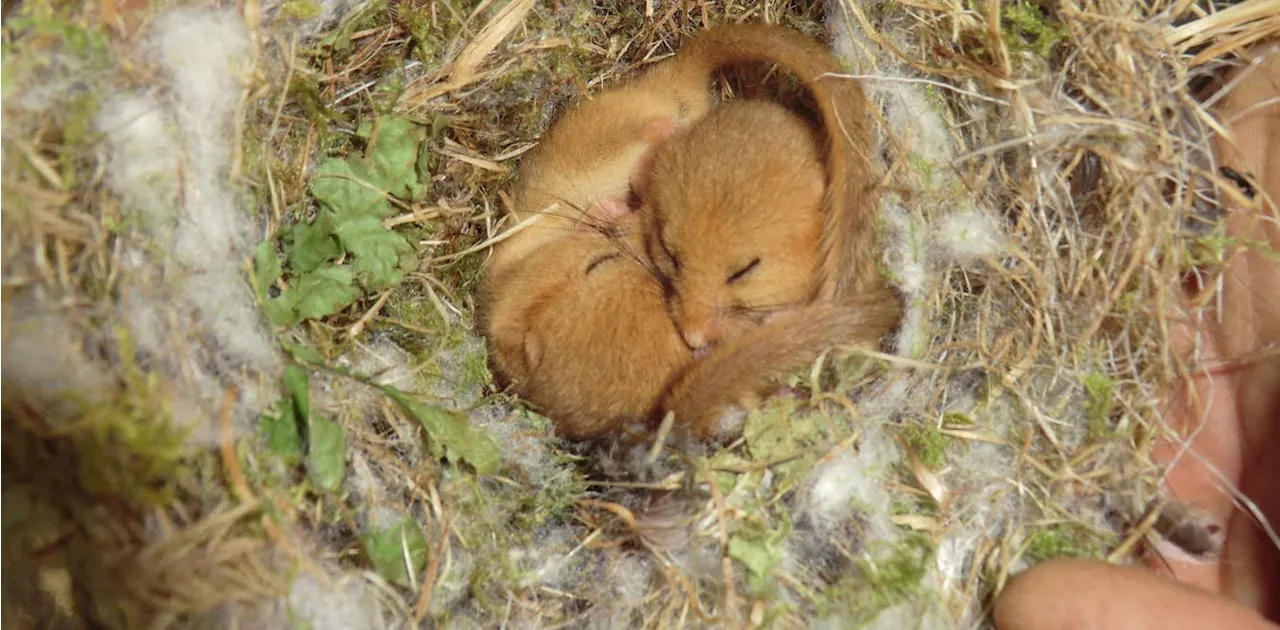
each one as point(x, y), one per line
point(232, 399)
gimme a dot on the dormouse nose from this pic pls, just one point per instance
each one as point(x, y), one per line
point(696, 339)
point(700, 333)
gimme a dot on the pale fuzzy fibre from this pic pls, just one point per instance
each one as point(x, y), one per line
point(903, 253)
point(920, 613)
point(919, 132)
point(630, 576)
point(43, 361)
point(204, 54)
point(550, 561)
point(144, 157)
point(335, 602)
point(853, 484)
point(183, 291)
point(968, 235)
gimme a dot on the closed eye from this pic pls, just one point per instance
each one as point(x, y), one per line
point(738, 275)
point(671, 256)
point(599, 261)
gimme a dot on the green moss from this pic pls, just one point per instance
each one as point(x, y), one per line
point(302, 9)
point(928, 443)
point(760, 549)
point(1065, 540)
point(923, 167)
point(475, 368)
point(1100, 391)
point(888, 574)
point(128, 446)
point(1208, 250)
point(1026, 28)
point(913, 504)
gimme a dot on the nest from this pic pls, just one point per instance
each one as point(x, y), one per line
point(215, 416)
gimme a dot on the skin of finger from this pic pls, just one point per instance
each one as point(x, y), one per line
point(1235, 409)
point(1205, 457)
point(1078, 594)
point(1251, 288)
point(1251, 325)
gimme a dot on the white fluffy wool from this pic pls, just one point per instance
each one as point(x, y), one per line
point(144, 157)
point(548, 562)
point(968, 235)
point(183, 290)
point(334, 602)
point(204, 54)
point(904, 254)
point(834, 486)
point(853, 483)
point(43, 361)
point(631, 578)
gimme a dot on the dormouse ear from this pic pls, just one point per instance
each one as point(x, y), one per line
point(532, 347)
point(605, 213)
point(655, 132)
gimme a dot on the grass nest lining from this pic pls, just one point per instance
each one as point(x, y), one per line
point(242, 386)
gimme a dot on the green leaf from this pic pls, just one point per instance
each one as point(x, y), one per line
point(326, 291)
point(326, 454)
point(280, 310)
point(393, 155)
point(266, 266)
point(398, 551)
point(451, 435)
point(311, 245)
point(301, 353)
point(378, 251)
point(299, 389)
point(347, 188)
point(760, 552)
point(280, 423)
point(266, 270)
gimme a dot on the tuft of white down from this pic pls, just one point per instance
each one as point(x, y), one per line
point(968, 235)
point(184, 293)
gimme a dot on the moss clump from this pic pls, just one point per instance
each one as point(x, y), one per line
point(1064, 540)
point(1100, 391)
point(1027, 29)
point(887, 575)
point(927, 442)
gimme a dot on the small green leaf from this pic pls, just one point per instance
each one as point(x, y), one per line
point(398, 551)
point(280, 423)
point(326, 291)
point(266, 266)
point(347, 188)
point(393, 155)
point(760, 552)
point(326, 454)
point(378, 251)
point(311, 245)
point(280, 310)
point(299, 389)
point(301, 353)
point(451, 435)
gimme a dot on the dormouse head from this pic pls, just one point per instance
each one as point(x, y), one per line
point(578, 329)
point(734, 215)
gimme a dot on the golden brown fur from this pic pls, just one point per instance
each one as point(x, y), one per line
point(731, 223)
point(576, 322)
point(582, 334)
point(707, 396)
point(748, 185)
point(582, 169)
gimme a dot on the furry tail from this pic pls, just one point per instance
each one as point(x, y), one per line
point(848, 240)
point(742, 371)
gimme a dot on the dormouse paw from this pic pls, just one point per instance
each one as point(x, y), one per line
point(726, 423)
